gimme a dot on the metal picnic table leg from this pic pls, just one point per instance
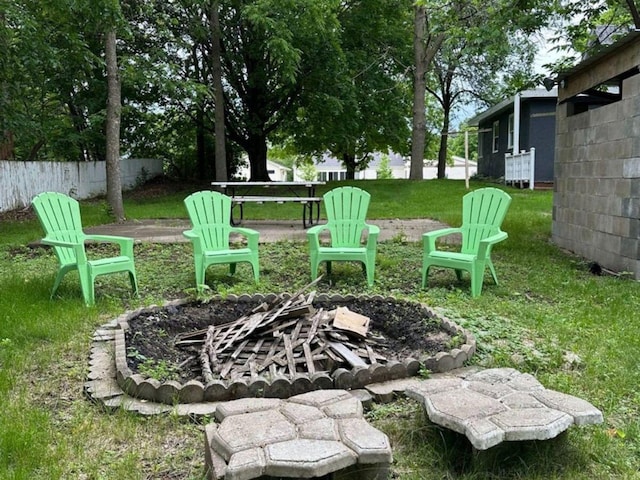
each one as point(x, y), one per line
point(233, 205)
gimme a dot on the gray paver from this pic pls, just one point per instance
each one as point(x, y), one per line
point(305, 436)
point(323, 429)
point(501, 404)
point(347, 408)
point(300, 414)
point(369, 443)
point(250, 430)
point(532, 424)
point(245, 465)
point(307, 458)
point(245, 405)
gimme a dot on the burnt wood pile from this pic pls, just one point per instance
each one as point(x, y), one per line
point(285, 338)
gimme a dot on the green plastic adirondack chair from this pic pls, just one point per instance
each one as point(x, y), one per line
point(483, 211)
point(60, 219)
point(346, 209)
point(210, 214)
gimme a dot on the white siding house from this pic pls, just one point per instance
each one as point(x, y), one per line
point(277, 172)
point(330, 169)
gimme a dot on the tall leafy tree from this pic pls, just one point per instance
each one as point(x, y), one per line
point(361, 103)
point(270, 48)
point(482, 69)
point(464, 28)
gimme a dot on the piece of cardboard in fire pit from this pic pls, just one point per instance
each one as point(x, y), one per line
point(350, 321)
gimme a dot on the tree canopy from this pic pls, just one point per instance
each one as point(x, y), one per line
point(338, 76)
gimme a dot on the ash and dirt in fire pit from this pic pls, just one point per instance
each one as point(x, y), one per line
point(409, 330)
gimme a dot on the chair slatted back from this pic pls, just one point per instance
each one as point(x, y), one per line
point(210, 215)
point(483, 212)
point(59, 215)
point(346, 209)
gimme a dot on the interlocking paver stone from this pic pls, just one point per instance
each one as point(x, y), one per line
point(303, 458)
point(305, 436)
point(501, 404)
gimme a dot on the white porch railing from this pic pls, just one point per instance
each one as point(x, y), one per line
point(520, 167)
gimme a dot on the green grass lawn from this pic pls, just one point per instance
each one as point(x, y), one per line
point(576, 332)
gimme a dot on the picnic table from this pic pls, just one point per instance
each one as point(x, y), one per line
point(277, 192)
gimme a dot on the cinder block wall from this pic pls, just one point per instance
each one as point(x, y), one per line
point(596, 203)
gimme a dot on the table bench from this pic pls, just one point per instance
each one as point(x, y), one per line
point(240, 193)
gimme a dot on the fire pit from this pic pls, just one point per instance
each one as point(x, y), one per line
point(278, 346)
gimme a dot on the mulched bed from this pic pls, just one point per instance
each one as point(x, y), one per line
point(409, 328)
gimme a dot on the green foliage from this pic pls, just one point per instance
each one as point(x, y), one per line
point(457, 143)
point(383, 171)
point(359, 102)
point(161, 370)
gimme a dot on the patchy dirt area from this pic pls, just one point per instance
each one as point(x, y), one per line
point(409, 330)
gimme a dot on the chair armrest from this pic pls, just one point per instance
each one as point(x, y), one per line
point(251, 235)
point(78, 248)
point(488, 242)
point(429, 238)
point(313, 235)
point(372, 237)
point(125, 243)
point(59, 243)
point(195, 239)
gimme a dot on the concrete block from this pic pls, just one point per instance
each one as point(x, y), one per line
point(630, 248)
point(621, 226)
point(631, 207)
point(631, 168)
point(634, 228)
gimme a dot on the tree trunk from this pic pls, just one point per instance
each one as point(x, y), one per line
point(350, 164)
point(114, 108)
point(444, 137)
point(634, 13)
point(425, 48)
point(419, 87)
point(257, 151)
point(216, 68)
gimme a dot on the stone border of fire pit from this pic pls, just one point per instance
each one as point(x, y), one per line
point(193, 391)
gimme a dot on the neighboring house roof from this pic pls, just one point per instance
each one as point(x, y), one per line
point(328, 161)
point(277, 165)
point(507, 104)
point(460, 161)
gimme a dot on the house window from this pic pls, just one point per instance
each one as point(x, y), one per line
point(480, 143)
point(330, 176)
point(496, 136)
point(510, 135)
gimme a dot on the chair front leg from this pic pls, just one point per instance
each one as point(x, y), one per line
point(200, 269)
point(477, 278)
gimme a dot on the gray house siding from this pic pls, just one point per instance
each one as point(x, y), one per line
point(491, 164)
point(537, 129)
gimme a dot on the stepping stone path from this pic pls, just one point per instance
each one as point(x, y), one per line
point(501, 404)
point(306, 436)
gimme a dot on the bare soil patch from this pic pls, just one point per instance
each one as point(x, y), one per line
point(410, 330)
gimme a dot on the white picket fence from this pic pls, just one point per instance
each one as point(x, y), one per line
point(21, 181)
point(520, 167)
